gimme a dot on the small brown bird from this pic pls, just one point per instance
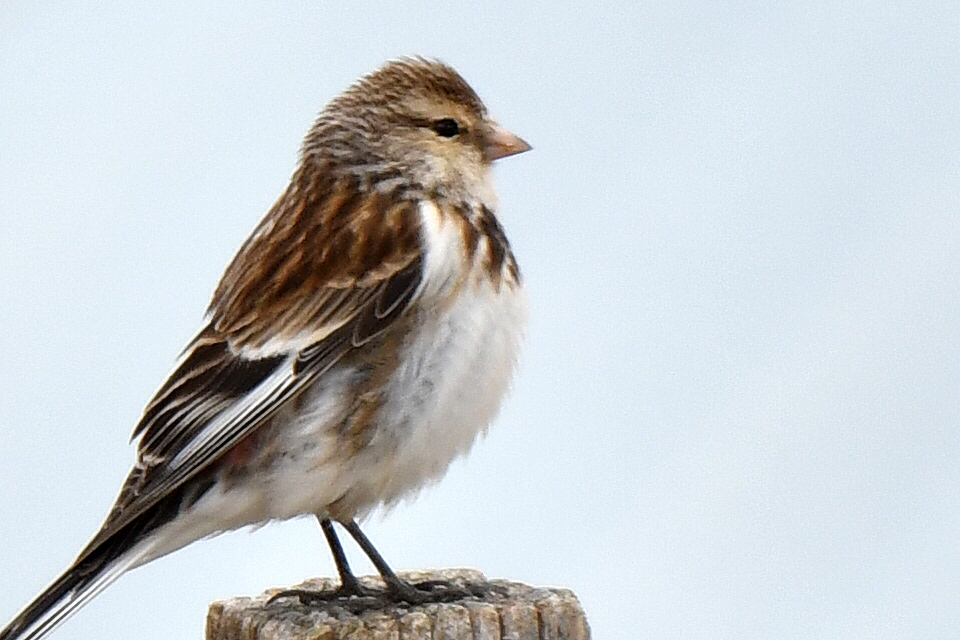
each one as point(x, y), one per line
point(360, 340)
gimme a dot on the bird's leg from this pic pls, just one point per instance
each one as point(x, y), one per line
point(395, 586)
point(349, 585)
point(355, 597)
point(397, 589)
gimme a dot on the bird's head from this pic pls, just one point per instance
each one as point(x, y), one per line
point(417, 117)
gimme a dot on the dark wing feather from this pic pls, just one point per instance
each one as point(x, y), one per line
point(237, 374)
point(208, 380)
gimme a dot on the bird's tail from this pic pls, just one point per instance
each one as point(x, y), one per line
point(89, 575)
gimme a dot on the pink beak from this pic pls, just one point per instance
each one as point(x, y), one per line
point(500, 143)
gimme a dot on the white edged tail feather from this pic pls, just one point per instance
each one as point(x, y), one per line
point(71, 591)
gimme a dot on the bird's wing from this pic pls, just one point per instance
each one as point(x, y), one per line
point(300, 295)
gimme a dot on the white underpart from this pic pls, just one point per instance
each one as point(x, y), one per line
point(445, 393)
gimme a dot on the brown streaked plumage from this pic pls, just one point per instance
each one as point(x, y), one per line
point(359, 341)
point(327, 236)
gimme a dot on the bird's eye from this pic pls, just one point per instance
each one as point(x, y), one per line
point(447, 127)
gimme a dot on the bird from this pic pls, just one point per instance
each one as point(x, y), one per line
point(362, 338)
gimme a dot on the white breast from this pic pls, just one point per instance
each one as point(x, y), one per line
point(453, 374)
point(450, 386)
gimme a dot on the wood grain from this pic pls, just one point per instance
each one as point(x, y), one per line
point(508, 611)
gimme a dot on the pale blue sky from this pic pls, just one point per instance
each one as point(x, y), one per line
point(737, 410)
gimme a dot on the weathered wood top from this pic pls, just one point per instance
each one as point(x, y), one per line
point(507, 611)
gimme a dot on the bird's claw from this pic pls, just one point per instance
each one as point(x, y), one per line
point(357, 598)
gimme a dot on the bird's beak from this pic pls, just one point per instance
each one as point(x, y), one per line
point(500, 143)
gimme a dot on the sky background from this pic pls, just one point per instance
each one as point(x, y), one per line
point(737, 409)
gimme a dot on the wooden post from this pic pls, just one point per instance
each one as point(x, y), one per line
point(510, 611)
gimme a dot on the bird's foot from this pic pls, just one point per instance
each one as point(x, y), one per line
point(353, 603)
point(348, 589)
point(357, 598)
point(436, 591)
